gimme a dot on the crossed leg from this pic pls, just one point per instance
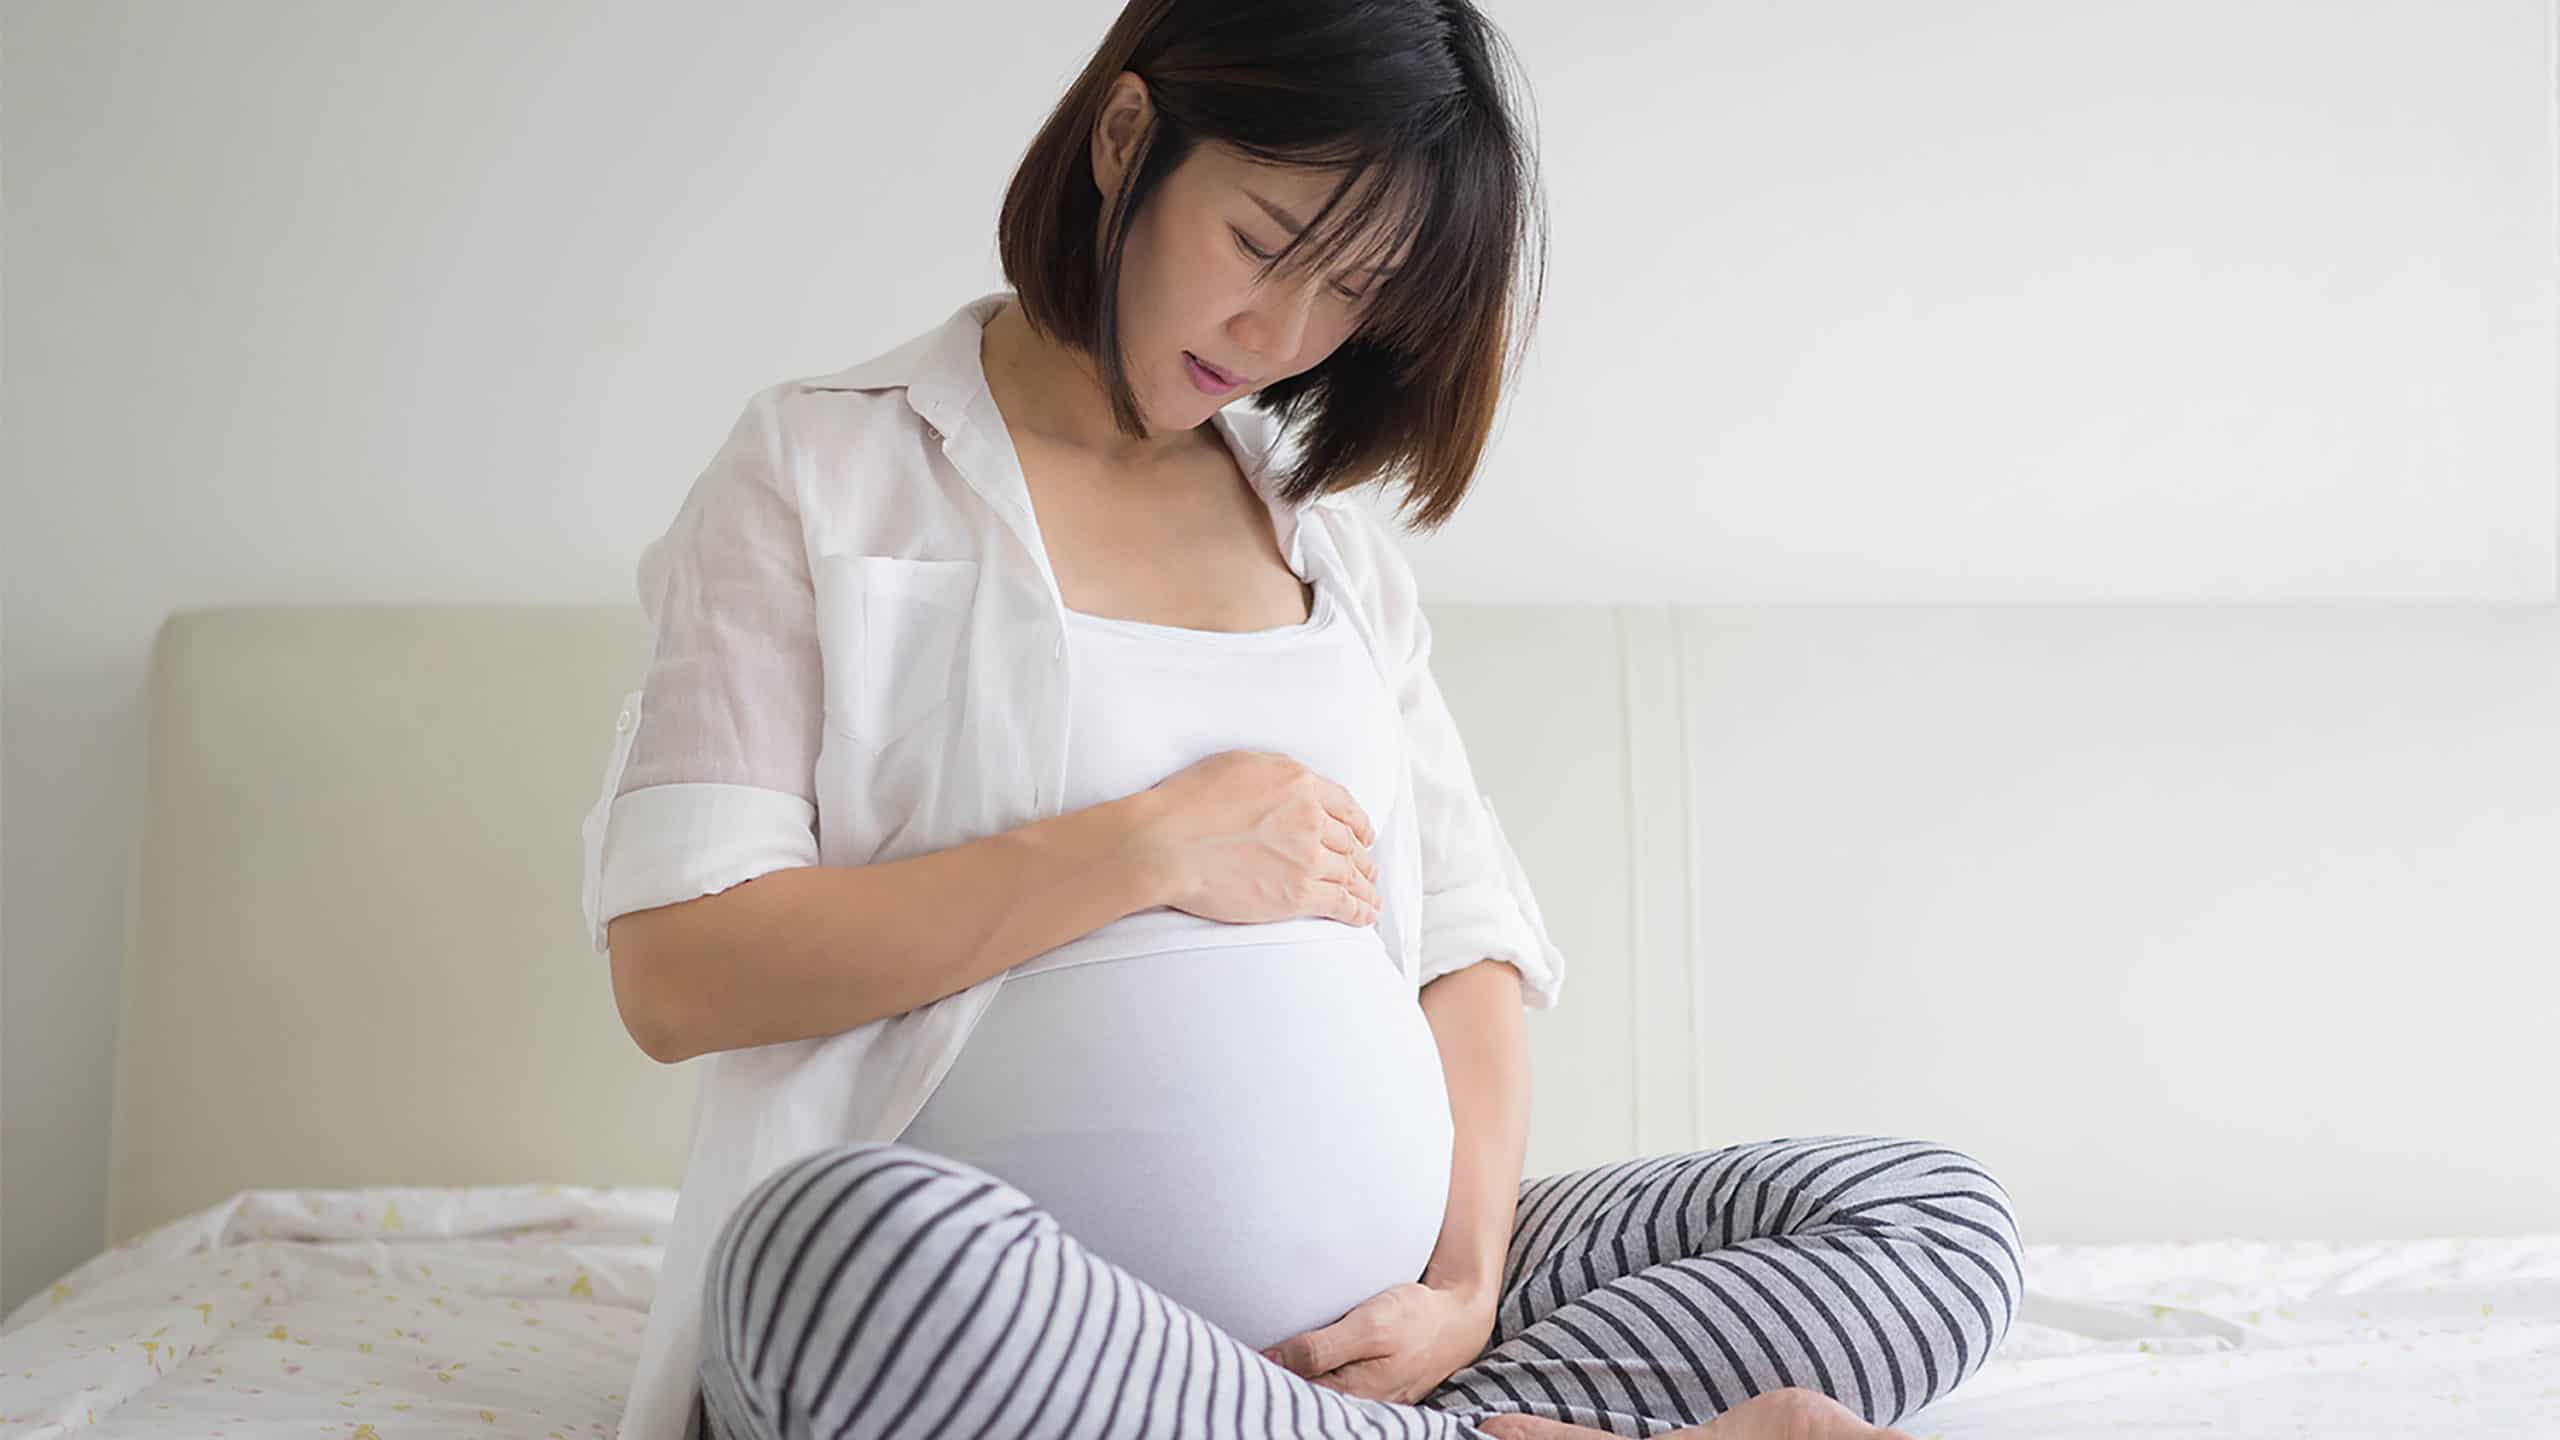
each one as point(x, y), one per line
point(1657, 1293)
point(879, 1289)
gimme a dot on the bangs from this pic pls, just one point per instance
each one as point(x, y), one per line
point(1391, 197)
point(1406, 112)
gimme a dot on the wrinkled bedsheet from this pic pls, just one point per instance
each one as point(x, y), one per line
point(369, 1313)
point(515, 1311)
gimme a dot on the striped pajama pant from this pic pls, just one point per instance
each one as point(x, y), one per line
point(880, 1289)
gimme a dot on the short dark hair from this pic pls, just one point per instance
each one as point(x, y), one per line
point(1401, 94)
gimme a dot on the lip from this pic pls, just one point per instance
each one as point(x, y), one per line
point(1208, 379)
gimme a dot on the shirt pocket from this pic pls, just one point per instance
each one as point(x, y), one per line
point(892, 633)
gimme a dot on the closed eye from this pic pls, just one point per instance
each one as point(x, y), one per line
point(1247, 246)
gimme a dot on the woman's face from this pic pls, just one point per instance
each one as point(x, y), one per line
point(1190, 286)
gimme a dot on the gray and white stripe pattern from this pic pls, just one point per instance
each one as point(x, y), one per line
point(883, 1290)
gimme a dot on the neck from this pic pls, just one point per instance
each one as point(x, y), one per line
point(1055, 393)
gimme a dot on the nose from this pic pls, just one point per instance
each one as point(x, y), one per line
point(1279, 319)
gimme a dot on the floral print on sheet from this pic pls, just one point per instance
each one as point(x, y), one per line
point(365, 1314)
point(379, 1314)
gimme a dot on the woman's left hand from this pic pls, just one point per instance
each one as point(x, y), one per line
point(1397, 1346)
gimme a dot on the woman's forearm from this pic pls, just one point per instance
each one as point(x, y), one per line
point(819, 949)
point(1482, 1030)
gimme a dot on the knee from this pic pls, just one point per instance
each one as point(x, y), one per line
point(824, 1238)
point(856, 1199)
point(1986, 1204)
point(1986, 1197)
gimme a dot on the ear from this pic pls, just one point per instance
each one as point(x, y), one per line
point(1126, 115)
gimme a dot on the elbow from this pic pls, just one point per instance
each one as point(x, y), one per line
point(639, 995)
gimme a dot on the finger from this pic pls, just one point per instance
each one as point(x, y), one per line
point(1339, 801)
point(1358, 891)
point(1338, 902)
point(1361, 1377)
point(1355, 871)
point(1340, 838)
point(1371, 1331)
point(1287, 1355)
point(1314, 1352)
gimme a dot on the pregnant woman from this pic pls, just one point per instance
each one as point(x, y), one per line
point(1149, 1061)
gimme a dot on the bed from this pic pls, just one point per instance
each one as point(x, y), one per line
point(515, 1311)
point(383, 1163)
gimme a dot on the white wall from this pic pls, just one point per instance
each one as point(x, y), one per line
point(1999, 302)
point(2188, 921)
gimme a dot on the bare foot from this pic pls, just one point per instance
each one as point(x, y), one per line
point(1795, 1413)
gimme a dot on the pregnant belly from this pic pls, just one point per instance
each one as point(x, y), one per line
point(1259, 1131)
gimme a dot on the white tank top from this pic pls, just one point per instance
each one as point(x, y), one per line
point(1250, 1117)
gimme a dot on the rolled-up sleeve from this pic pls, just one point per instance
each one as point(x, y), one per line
point(1476, 900)
point(710, 780)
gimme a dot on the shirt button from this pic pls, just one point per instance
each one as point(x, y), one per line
point(624, 723)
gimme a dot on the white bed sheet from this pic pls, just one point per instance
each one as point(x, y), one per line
point(367, 1314)
point(515, 1311)
point(2406, 1339)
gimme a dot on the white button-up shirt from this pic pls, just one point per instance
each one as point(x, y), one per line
point(860, 655)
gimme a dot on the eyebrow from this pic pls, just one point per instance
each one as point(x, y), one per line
point(1293, 225)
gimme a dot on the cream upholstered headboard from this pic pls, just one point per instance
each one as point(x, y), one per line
point(354, 951)
point(1985, 875)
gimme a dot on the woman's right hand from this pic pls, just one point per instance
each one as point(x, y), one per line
point(1252, 836)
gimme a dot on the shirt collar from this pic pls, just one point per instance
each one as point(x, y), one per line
point(945, 383)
